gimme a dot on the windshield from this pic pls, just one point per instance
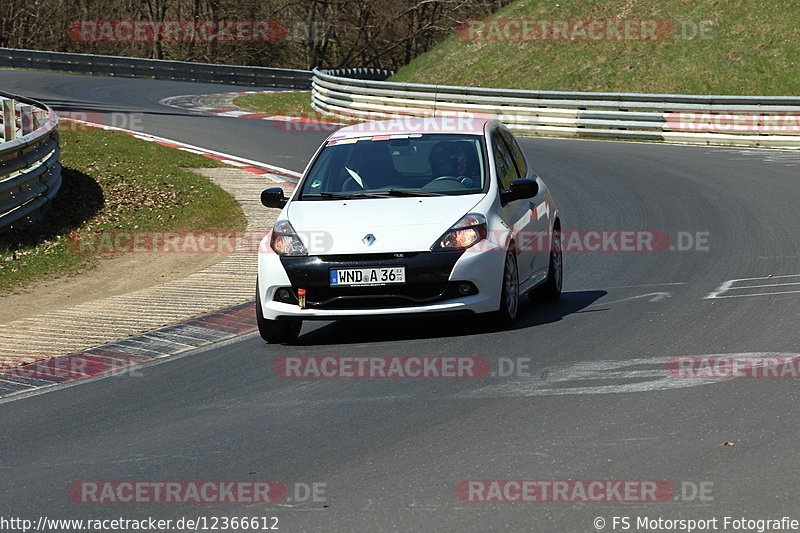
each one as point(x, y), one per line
point(397, 165)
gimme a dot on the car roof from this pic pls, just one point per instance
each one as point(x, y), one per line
point(409, 125)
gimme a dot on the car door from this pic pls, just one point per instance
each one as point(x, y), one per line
point(537, 230)
point(515, 214)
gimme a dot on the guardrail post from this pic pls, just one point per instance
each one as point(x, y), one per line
point(9, 120)
point(27, 119)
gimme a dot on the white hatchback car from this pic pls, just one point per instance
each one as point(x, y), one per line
point(409, 216)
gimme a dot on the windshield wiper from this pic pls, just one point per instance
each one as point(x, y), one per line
point(371, 194)
point(340, 195)
point(325, 194)
point(407, 192)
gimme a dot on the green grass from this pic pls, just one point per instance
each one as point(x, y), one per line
point(114, 182)
point(753, 50)
point(290, 102)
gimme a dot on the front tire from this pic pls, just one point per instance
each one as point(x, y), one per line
point(550, 290)
point(275, 331)
point(509, 296)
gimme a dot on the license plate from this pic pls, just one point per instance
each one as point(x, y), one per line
point(348, 277)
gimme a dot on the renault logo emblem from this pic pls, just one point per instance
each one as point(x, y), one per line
point(368, 239)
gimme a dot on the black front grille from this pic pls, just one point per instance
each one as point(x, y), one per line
point(367, 297)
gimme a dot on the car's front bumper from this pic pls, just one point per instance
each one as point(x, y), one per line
point(432, 280)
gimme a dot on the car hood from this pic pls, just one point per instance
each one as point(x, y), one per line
point(398, 224)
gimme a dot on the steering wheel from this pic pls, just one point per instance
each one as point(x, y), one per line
point(446, 178)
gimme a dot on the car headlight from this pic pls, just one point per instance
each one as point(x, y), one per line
point(467, 232)
point(285, 241)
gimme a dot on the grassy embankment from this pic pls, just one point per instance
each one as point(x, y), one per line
point(113, 182)
point(750, 48)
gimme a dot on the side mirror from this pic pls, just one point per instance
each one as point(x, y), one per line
point(273, 197)
point(520, 188)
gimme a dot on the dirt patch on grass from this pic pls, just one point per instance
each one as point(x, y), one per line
point(117, 275)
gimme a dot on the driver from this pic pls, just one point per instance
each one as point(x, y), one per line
point(447, 158)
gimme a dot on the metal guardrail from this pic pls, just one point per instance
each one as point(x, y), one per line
point(30, 174)
point(361, 73)
point(770, 121)
point(155, 68)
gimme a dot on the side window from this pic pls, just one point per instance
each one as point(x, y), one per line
point(503, 162)
point(519, 157)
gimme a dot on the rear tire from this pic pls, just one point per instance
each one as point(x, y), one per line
point(276, 331)
point(550, 290)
